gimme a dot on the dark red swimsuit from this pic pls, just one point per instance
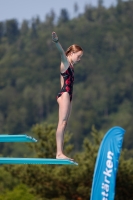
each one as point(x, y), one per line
point(68, 77)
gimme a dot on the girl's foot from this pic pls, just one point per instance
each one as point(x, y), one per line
point(62, 156)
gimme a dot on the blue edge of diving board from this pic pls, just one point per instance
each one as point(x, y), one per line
point(17, 138)
point(37, 161)
point(26, 138)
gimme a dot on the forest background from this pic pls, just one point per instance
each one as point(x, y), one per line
point(103, 97)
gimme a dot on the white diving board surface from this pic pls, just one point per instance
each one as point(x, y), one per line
point(17, 138)
point(41, 161)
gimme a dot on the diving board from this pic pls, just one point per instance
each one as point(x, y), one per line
point(17, 138)
point(42, 161)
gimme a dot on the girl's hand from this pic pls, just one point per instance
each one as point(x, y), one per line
point(54, 37)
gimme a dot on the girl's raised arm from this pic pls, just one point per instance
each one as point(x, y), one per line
point(64, 60)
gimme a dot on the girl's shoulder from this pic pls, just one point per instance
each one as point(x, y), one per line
point(64, 67)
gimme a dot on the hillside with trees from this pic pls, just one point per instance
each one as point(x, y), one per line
point(103, 97)
point(62, 182)
point(29, 71)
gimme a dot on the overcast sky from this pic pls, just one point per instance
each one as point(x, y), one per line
point(27, 9)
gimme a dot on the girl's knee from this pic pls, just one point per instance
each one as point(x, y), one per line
point(63, 123)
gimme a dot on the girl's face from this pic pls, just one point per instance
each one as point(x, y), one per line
point(76, 56)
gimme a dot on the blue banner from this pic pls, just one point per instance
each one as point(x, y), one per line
point(104, 179)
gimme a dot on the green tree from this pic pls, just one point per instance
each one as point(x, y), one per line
point(68, 182)
point(7, 181)
point(12, 30)
point(20, 192)
point(50, 19)
point(24, 27)
point(29, 72)
point(1, 30)
point(64, 16)
point(124, 182)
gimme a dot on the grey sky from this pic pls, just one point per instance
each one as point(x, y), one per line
point(26, 9)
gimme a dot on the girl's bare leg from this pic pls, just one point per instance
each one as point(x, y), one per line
point(69, 113)
point(64, 113)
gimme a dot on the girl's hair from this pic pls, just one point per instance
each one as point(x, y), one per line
point(73, 48)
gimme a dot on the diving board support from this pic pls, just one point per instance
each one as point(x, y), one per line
point(17, 138)
point(41, 161)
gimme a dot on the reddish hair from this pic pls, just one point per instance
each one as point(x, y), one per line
point(73, 48)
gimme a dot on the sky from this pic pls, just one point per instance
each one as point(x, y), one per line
point(28, 9)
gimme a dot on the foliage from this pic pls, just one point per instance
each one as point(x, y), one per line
point(29, 83)
point(20, 192)
point(7, 180)
point(57, 182)
point(69, 182)
point(29, 72)
point(124, 182)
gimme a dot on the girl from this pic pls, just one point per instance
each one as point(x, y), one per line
point(64, 97)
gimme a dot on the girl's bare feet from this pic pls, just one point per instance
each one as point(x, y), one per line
point(62, 156)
